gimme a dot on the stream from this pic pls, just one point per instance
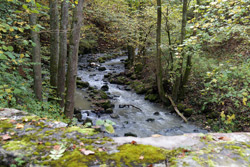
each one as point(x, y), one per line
point(150, 118)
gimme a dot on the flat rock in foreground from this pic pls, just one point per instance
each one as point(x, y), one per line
point(27, 140)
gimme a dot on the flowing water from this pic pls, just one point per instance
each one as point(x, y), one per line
point(150, 118)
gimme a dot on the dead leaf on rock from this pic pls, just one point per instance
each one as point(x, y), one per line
point(141, 157)
point(156, 135)
point(133, 142)
point(224, 138)
point(57, 147)
point(86, 152)
point(6, 137)
point(13, 121)
point(19, 126)
point(151, 165)
point(3, 118)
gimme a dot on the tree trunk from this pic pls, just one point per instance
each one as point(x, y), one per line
point(54, 42)
point(73, 59)
point(179, 70)
point(131, 55)
point(36, 58)
point(63, 52)
point(158, 54)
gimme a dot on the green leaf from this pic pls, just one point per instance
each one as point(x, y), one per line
point(3, 57)
point(99, 122)
point(10, 48)
point(109, 128)
point(25, 6)
point(110, 122)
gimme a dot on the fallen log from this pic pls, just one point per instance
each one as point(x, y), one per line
point(175, 108)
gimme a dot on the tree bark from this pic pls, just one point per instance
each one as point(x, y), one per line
point(73, 59)
point(158, 54)
point(62, 52)
point(54, 42)
point(179, 70)
point(36, 58)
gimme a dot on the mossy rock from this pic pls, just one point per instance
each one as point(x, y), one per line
point(188, 112)
point(82, 84)
point(101, 59)
point(103, 95)
point(181, 107)
point(139, 87)
point(152, 97)
point(138, 68)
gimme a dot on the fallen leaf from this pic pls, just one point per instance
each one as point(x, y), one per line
point(13, 121)
point(141, 157)
point(40, 142)
point(57, 147)
point(133, 142)
point(19, 126)
point(1, 109)
point(6, 137)
point(3, 118)
point(150, 165)
point(74, 146)
point(156, 135)
point(86, 152)
point(224, 138)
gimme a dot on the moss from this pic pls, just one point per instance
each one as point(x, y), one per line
point(5, 125)
point(151, 97)
point(29, 129)
point(72, 159)
point(129, 154)
point(17, 145)
point(30, 118)
point(87, 131)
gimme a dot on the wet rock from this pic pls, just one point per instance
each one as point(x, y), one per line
point(92, 75)
point(150, 120)
point(76, 111)
point(109, 111)
point(128, 88)
point(122, 105)
point(101, 68)
point(157, 113)
point(114, 116)
point(105, 88)
point(82, 84)
point(130, 134)
point(79, 117)
point(87, 120)
point(92, 64)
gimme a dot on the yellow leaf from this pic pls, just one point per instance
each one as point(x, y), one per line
point(19, 126)
point(8, 90)
point(16, 36)
point(1, 52)
point(244, 100)
point(76, 2)
point(28, 0)
point(11, 29)
point(21, 56)
point(214, 80)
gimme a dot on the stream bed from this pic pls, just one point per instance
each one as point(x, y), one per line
point(134, 116)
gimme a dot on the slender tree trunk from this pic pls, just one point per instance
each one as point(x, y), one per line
point(158, 54)
point(131, 55)
point(62, 52)
point(54, 41)
point(36, 58)
point(73, 59)
point(179, 70)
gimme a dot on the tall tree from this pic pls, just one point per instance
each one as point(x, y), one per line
point(73, 59)
point(62, 51)
point(178, 79)
point(54, 41)
point(36, 58)
point(158, 53)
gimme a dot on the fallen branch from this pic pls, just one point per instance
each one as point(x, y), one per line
point(128, 105)
point(175, 108)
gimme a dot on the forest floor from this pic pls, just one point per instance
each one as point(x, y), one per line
point(28, 140)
